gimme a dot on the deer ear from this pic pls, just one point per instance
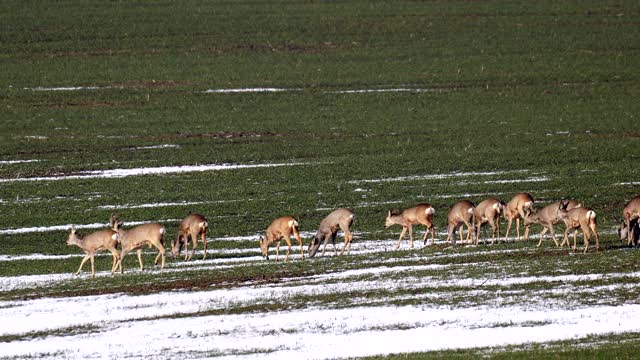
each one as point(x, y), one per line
point(389, 213)
point(73, 229)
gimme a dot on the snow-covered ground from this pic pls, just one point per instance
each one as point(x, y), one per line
point(193, 324)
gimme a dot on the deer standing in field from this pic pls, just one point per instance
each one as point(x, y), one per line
point(281, 228)
point(191, 227)
point(488, 211)
point(517, 208)
point(339, 219)
point(583, 218)
point(630, 212)
point(633, 231)
point(461, 213)
point(419, 214)
point(100, 240)
point(549, 216)
point(137, 237)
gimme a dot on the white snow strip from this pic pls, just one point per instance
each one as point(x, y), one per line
point(162, 170)
point(165, 146)
point(67, 88)
point(410, 90)
point(78, 226)
point(436, 176)
point(248, 90)
point(11, 162)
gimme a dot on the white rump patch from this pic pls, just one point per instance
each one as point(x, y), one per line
point(162, 230)
point(203, 224)
point(591, 214)
point(293, 223)
point(429, 210)
point(115, 237)
point(471, 210)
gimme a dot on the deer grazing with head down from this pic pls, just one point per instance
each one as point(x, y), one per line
point(488, 211)
point(419, 214)
point(549, 216)
point(517, 208)
point(137, 237)
point(339, 219)
point(100, 240)
point(191, 227)
point(630, 213)
point(461, 214)
point(281, 228)
point(583, 218)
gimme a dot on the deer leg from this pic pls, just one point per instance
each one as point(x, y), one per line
point(114, 253)
point(518, 229)
point(204, 243)
point(277, 250)
point(161, 254)
point(139, 252)
point(586, 234)
point(404, 230)
point(122, 254)
point(575, 235)
point(595, 233)
point(544, 230)
point(508, 229)
point(84, 260)
point(288, 240)
point(324, 246)
point(411, 236)
point(93, 268)
point(347, 241)
point(333, 241)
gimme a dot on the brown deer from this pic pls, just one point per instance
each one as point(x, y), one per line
point(461, 213)
point(339, 219)
point(191, 227)
point(100, 240)
point(583, 218)
point(137, 237)
point(548, 216)
point(630, 212)
point(419, 214)
point(488, 211)
point(517, 208)
point(281, 228)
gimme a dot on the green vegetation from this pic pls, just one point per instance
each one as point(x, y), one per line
point(542, 96)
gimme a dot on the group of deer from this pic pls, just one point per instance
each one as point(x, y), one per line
point(521, 207)
point(136, 238)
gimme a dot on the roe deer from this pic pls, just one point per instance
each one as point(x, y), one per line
point(190, 227)
point(281, 228)
point(137, 237)
point(461, 213)
point(419, 214)
point(339, 219)
point(488, 211)
point(106, 239)
point(583, 218)
point(630, 212)
point(633, 230)
point(549, 216)
point(517, 208)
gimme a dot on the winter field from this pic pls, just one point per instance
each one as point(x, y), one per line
point(248, 111)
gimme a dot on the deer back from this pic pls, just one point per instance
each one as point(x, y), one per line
point(337, 219)
point(488, 209)
point(520, 202)
point(193, 223)
point(141, 235)
point(632, 209)
point(280, 227)
point(461, 211)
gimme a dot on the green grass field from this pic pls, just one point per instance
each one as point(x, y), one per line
point(378, 98)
